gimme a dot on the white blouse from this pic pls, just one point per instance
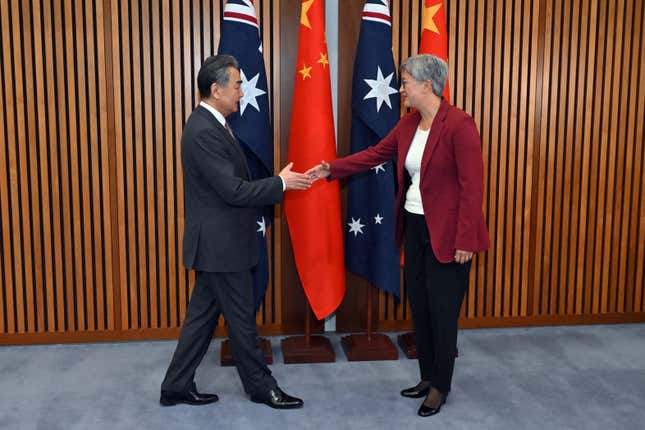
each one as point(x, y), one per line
point(413, 202)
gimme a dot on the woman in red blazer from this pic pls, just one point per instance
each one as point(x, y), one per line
point(438, 214)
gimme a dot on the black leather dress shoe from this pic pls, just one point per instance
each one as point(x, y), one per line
point(278, 399)
point(426, 411)
point(191, 397)
point(417, 391)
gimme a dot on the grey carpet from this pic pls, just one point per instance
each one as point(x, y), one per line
point(577, 377)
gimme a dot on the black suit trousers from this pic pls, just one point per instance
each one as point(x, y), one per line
point(435, 291)
point(213, 294)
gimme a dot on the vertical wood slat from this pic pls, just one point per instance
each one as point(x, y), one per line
point(557, 157)
point(6, 280)
point(23, 278)
point(46, 288)
point(35, 189)
point(477, 291)
point(8, 172)
point(178, 283)
point(580, 251)
point(576, 248)
point(149, 173)
point(637, 229)
point(94, 138)
point(622, 189)
point(85, 99)
point(63, 165)
point(169, 264)
point(593, 299)
point(106, 95)
point(609, 144)
point(571, 189)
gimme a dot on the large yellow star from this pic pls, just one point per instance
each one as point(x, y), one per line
point(305, 72)
point(323, 59)
point(304, 19)
point(428, 15)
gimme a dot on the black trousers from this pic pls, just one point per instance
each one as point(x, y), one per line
point(215, 293)
point(435, 291)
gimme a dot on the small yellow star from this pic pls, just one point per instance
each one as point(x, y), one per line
point(323, 59)
point(304, 19)
point(305, 72)
point(428, 15)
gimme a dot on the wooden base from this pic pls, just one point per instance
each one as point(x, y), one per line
point(227, 355)
point(318, 350)
point(408, 343)
point(358, 347)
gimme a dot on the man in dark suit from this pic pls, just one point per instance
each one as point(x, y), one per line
point(220, 243)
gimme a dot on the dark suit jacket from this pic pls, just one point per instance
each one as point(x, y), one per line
point(220, 201)
point(451, 183)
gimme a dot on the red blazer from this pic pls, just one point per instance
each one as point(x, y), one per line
point(451, 183)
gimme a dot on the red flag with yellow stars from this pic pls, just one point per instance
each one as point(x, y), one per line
point(313, 215)
point(434, 36)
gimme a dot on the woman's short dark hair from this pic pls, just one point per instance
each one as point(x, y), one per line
point(215, 71)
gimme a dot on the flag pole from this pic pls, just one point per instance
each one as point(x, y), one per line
point(369, 312)
point(308, 325)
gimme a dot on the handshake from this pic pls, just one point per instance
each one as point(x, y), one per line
point(302, 181)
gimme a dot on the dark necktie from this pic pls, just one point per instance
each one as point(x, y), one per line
point(230, 131)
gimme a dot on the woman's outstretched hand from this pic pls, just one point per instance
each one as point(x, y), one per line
point(320, 171)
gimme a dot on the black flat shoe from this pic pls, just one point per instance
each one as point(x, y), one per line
point(416, 392)
point(191, 397)
point(278, 399)
point(426, 411)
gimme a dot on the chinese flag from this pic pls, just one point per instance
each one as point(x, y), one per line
point(314, 215)
point(434, 37)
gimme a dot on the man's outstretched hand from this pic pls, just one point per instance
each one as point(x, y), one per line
point(294, 180)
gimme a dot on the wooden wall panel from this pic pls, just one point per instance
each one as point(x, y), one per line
point(54, 199)
point(556, 89)
point(94, 95)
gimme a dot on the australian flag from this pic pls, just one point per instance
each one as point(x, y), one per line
point(370, 247)
point(240, 37)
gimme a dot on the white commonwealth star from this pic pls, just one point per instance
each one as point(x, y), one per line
point(250, 92)
point(380, 89)
point(355, 226)
point(262, 227)
point(377, 219)
point(379, 167)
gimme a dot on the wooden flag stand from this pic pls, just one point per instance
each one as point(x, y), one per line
point(369, 346)
point(307, 348)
